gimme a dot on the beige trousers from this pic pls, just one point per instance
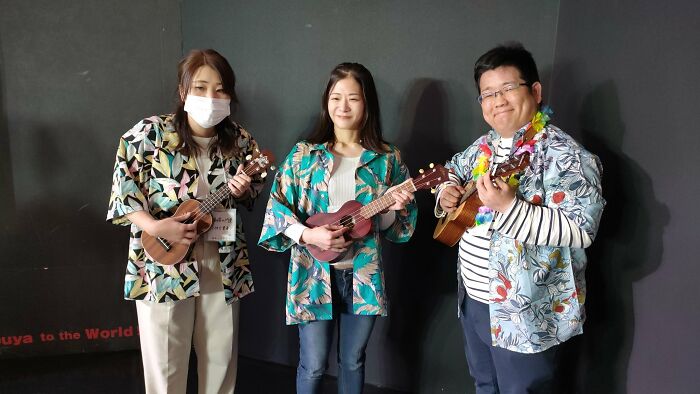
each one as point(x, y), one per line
point(168, 330)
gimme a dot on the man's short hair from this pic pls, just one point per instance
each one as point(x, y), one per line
point(509, 54)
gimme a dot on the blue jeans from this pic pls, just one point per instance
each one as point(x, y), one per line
point(315, 340)
point(497, 370)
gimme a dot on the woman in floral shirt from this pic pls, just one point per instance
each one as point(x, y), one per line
point(161, 162)
point(344, 159)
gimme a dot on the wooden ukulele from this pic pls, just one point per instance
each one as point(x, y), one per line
point(357, 217)
point(450, 228)
point(168, 253)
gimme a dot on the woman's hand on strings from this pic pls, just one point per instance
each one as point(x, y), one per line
point(240, 183)
point(401, 197)
point(174, 230)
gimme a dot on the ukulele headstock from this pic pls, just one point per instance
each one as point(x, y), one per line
point(432, 177)
point(259, 163)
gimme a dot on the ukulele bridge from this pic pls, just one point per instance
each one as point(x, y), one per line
point(164, 243)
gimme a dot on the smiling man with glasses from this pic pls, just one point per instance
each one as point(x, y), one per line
point(488, 96)
point(521, 267)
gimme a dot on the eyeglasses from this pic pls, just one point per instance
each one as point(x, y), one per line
point(488, 96)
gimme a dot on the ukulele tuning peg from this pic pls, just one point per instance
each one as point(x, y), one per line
point(432, 165)
point(432, 190)
point(273, 168)
point(248, 157)
point(263, 175)
point(421, 171)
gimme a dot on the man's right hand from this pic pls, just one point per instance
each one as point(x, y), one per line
point(450, 197)
point(327, 237)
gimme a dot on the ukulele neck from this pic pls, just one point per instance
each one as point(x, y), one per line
point(214, 199)
point(510, 166)
point(384, 201)
point(500, 170)
point(224, 192)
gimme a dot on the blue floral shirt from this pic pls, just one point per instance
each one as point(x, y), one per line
point(544, 285)
point(300, 190)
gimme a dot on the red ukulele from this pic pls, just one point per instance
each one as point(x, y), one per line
point(168, 253)
point(357, 217)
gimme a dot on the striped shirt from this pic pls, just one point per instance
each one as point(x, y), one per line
point(535, 225)
point(475, 245)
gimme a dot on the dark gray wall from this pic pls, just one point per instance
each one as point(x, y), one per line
point(421, 56)
point(626, 82)
point(74, 76)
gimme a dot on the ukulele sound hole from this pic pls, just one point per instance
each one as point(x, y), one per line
point(347, 221)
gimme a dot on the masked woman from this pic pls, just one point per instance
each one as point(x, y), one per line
point(162, 162)
point(344, 159)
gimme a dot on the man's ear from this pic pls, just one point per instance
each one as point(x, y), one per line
point(537, 92)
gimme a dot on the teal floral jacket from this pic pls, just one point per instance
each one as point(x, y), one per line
point(300, 190)
point(150, 175)
point(539, 290)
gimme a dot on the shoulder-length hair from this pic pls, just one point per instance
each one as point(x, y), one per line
point(227, 132)
point(370, 130)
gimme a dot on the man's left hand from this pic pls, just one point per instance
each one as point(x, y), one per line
point(495, 193)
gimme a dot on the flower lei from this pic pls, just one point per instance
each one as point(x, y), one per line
point(538, 122)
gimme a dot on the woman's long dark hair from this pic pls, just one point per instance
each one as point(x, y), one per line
point(370, 130)
point(226, 132)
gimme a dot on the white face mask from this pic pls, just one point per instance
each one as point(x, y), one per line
point(207, 112)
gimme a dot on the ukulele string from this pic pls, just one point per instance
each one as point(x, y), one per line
point(356, 214)
point(249, 170)
point(208, 203)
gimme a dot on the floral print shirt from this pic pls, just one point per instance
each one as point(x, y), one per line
point(538, 291)
point(150, 175)
point(300, 190)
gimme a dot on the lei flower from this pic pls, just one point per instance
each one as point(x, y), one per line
point(484, 215)
point(482, 164)
point(538, 122)
point(541, 118)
